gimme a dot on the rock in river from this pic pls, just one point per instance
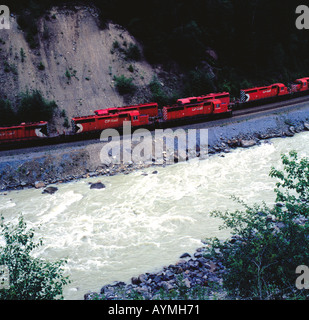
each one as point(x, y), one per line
point(247, 143)
point(50, 190)
point(97, 185)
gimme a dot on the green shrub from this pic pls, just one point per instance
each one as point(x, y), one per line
point(159, 95)
point(268, 243)
point(7, 67)
point(66, 123)
point(133, 53)
point(68, 74)
point(8, 116)
point(41, 66)
point(198, 83)
point(22, 55)
point(130, 68)
point(124, 85)
point(29, 278)
point(33, 107)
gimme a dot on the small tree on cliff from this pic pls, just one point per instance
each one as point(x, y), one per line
point(268, 243)
point(29, 278)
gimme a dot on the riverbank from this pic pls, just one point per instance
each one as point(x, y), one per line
point(192, 276)
point(41, 167)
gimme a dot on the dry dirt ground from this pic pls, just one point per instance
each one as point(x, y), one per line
point(71, 43)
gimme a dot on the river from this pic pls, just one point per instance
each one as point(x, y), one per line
point(142, 221)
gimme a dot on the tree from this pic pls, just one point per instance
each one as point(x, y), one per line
point(7, 114)
point(33, 107)
point(268, 243)
point(124, 85)
point(29, 278)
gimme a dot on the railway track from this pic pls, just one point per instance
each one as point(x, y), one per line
point(276, 106)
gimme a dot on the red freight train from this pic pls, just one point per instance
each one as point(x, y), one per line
point(24, 131)
point(148, 113)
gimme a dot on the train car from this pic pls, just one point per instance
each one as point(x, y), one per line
point(150, 109)
point(188, 110)
point(106, 121)
point(258, 93)
point(24, 132)
point(300, 85)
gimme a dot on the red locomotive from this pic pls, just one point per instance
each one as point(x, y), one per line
point(24, 131)
point(300, 85)
point(100, 122)
point(194, 108)
point(258, 93)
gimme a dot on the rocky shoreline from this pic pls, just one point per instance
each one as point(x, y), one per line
point(46, 174)
point(194, 276)
point(41, 172)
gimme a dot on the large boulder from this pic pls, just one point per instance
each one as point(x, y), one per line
point(97, 185)
point(39, 184)
point(247, 143)
point(50, 190)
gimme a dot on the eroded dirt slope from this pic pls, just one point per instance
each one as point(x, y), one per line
point(78, 62)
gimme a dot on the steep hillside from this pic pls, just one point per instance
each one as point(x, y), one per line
point(74, 63)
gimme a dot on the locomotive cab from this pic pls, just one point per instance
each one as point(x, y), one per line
point(138, 119)
point(300, 85)
point(217, 106)
point(280, 88)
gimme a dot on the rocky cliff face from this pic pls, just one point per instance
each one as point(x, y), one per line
point(74, 63)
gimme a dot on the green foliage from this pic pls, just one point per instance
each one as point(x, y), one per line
point(130, 68)
point(66, 123)
point(133, 53)
point(124, 85)
point(268, 243)
point(68, 74)
point(33, 107)
point(22, 55)
point(41, 66)
point(158, 93)
point(294, 177)
point(29, 278)
point(10, 68)
point(198, 83)
point(7, 113)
